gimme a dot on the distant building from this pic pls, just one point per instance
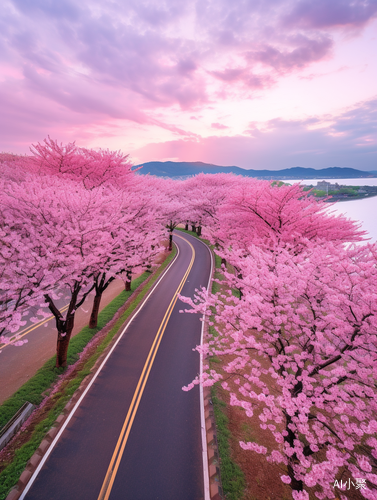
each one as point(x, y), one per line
point(327, 186)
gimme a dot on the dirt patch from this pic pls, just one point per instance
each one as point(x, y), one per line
point(262, 478)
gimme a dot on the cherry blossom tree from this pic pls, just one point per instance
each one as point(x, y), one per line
point(264, 213)
point(18, 270)
point(67, 228)
point(15, 261)
point(172, 204)
point(93, 168)
point(86, 217)
point(133, 242)
point(204, 194)
point(303, 357)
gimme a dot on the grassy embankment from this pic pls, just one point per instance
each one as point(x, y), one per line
point(345, 193)
point(38, 388)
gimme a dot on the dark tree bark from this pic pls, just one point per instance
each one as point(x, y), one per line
point(100, 285)
point(170, 242)
point(65, 326)
point(199, 230)
point(170, 227)
point(95, 310)
point(128, 282)
point(186, 226)
point(193, 228)
point(290, 438)
point(240, 277)
point(63, 344)
point(295, 484)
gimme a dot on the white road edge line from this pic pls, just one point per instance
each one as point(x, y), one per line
point(57, 437)
point(207, 495)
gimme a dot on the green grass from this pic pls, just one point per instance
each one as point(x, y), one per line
point(33, 391)
point(187, 231)
point(10, 475)
point(232, 477)
point(195, 235)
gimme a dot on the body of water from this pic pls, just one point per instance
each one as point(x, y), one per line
point(363, 210)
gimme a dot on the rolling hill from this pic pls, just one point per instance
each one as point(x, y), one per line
point(178, 170)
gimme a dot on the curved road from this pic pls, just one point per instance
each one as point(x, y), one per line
point(136, 435)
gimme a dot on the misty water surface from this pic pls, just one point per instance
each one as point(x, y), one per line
point(361, 210)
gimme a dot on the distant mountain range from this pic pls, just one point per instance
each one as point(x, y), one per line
point(179, 170)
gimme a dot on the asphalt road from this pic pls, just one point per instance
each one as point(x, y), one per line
point(136, 435)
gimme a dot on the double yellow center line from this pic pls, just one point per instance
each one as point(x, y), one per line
point(123, 437)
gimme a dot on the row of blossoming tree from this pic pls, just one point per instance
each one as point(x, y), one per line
point(296, 314)
point(297, 321)
point(72, 220)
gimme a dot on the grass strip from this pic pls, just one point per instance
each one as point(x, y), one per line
point(193, 233)
point(38, 384)
point(232, 477)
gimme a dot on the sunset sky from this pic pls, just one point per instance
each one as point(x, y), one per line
point(263, 84)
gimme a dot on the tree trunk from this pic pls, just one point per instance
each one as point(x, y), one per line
point(65, 326)
point(62, 348)
point(199, 231)
point(290, 439)
point(186, 226)
point(295, 483)
point(223, 261)
point(170, 242)
point(193, 228)
point(100, 285)
point(128, 282)
point(95, 310)
point(240, 277)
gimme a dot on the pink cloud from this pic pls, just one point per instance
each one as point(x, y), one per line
point(150, 58)
point(219, 126)
point(324, 14)
point(305, 52)
point(244, 76)
point(348, 141)
point(78, 66)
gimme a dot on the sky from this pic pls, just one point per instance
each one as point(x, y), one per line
point(263, 84)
